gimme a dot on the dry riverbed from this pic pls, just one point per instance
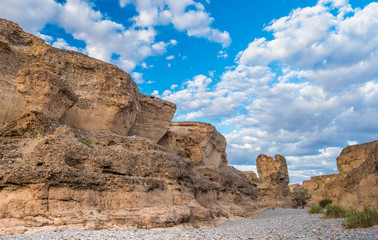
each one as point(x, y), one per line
point(270, 224)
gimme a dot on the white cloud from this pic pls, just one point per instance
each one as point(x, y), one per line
point(31, 15)
point(61, 43)
point(222, 54)
point(103, 37)
point(137, 77)
point(195, 22)
point(170, 57)
point(303, 94)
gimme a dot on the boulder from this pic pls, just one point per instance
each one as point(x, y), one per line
point(154, 118)
point(199, 143)
point(274, 178)
point(107, 97)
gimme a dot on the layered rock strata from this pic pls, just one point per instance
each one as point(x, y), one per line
point(107, 97)
point(67, 160)
point(274, 179)
point(154, 118)
point(199, 143)
point(252, 177)
point(357, 183)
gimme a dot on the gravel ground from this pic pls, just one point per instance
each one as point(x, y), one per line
point(270, 224)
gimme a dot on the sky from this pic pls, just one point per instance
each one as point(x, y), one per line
point(292, 77)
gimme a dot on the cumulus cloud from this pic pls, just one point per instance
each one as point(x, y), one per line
point(306, 93)
point(103, 37)
point(195, 21)
point(31, 15)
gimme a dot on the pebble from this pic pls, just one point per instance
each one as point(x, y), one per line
point(278, 224)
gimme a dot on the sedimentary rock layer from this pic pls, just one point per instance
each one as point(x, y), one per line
point(199, 143)
point(357, 183)
point(274, 178)
point(67, 160)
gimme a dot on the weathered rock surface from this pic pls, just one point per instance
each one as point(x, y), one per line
point(274, 178)
point(154, 118)
point(107, 96)
point(252, 177)
point(66, 160)
point(316, 187)
point(353, 156)
point(357, 183)
point(199, 143)
point(45, 93)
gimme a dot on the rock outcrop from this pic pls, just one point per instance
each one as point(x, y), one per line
point(252, 177)
point(154, 118)
point(107, 96)
point(316, 187)
point(67, 159)
point(199, 143)
point(357, 183)
point(274, 178)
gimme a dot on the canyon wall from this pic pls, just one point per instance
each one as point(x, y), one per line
point(80, 147)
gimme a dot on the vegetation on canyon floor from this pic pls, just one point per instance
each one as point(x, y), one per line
point(353, 218)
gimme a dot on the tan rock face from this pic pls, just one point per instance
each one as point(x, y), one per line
point(353, 156)
point(199, 143)
point(45, 93)
point(315, 187)
point(274, 178)
point(252, 177)
point(154, 118)
point(107, 96)
point(66, 160)
point(357, 183)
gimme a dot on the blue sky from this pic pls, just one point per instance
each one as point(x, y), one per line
point(290, 77)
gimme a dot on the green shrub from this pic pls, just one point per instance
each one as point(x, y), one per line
point(85, 141)
point(315, 209)
point(301, 196)
point(334, 211)
point(360, 219)
point(324, 202)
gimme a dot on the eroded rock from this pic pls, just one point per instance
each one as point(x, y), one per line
point(45, 93)
point(154, 118)
point(357, 183)
point(274, 178)
point(252, 177)
point(199, 143)
point(107, 96)
point(66, 160)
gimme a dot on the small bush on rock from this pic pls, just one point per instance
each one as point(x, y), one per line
point(334, 211)
point(301, 196)
point(85, 141)
point(315, 209)
point(324, 202)
point(368, 217)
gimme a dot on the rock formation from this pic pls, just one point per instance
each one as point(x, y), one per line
point(199, 143)
point(274, 178)
point(67, 159)
point(252, 177)
point(357, 183)
point(154, 118)
point(316, 186)
point(107, 96)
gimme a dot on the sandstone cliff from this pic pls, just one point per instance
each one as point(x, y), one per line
point(274, 179)
point(199, 143)
point(357, 183)
point(78, 149)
